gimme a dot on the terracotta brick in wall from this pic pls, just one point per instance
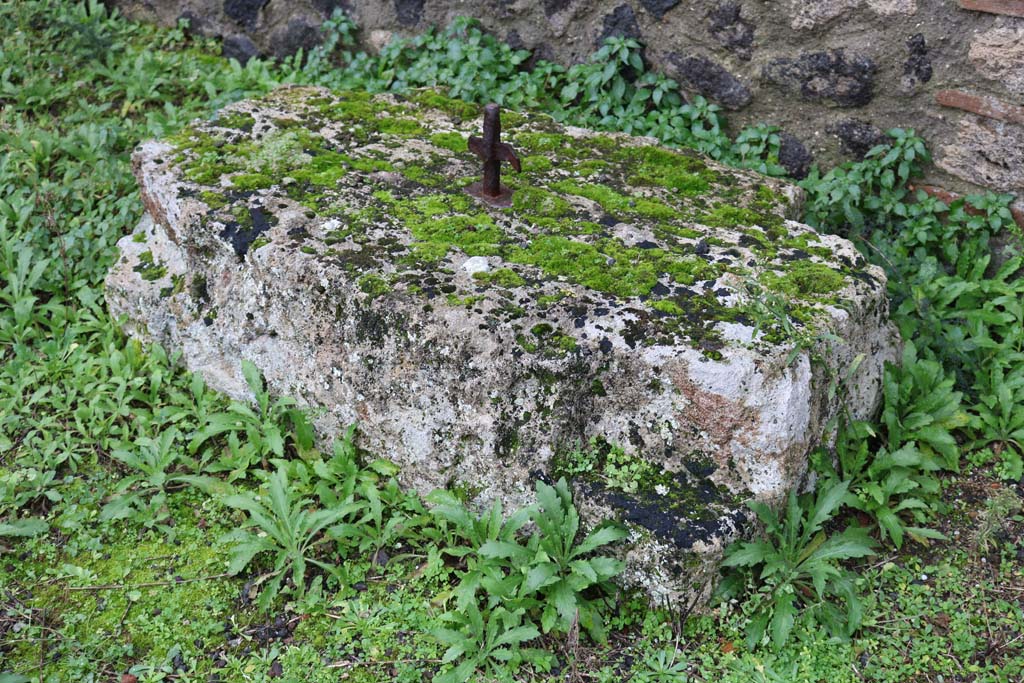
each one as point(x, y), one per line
point(1013, 8)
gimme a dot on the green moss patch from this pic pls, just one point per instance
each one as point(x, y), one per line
point(503, 277)
point(673, 170)
point(617, 203)
point(728, 216)
point(149, 268)
point(552, 228)
point(437, 225)
point(546, 340)
point(374, 285)
point(399, 126)
point(535, 163)
point(251, 181)
point(235, 120)
point(806, 279)
point(454, 142)
point(533, 200)
point(214, 200)
point(457, 108)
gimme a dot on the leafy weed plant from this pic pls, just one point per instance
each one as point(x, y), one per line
point(798, 564)
point(253, 436)
point(551, 571)
point(285, 527)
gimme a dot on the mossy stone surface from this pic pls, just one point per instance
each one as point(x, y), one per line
point(328, 237)
point(618, 216)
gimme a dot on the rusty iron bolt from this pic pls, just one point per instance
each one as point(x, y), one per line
point(492, 151)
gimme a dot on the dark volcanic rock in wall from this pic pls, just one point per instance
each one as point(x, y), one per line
point(831, 76)
point(245, 12)
point(620, 22)
point(918, 67)
point(659, 7)
point(711, 80)
point(539, 52)
point(326, 7)
point(733, 32)
point(857, 137)
point(239, 47)
point(515, 41)
point(196, 24)
point(793, 156)
point(409, 11)
point(555, 6)
point(500, 9)
point(298, 33)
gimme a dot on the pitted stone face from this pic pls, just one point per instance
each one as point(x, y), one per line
point(617, 324)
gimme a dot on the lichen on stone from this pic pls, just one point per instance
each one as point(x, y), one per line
point(622, 219)
point(330, 238)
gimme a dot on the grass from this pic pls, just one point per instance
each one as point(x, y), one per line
point(99, 578)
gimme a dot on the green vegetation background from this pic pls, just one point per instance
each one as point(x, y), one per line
point(150, 526)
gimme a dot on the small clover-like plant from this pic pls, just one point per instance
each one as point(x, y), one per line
point(624, 471)
point(608, 462)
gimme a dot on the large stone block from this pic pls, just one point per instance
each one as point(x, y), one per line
point(997, 54)
point(812, 14)
point(618, 324)
point(987, 152)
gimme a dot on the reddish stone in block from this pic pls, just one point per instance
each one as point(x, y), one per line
point(1014, 8)
point(983, 105)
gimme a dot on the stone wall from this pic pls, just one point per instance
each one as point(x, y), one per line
point(833, 74)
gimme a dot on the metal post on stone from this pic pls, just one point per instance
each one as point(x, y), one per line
point(492, 151)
